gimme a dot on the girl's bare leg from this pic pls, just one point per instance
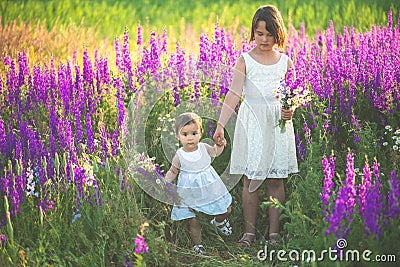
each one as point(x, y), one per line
point(275, 189)
point(195, 231)
point(250, 205)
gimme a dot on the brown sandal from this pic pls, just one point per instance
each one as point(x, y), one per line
point(247, 240)
point(274, 239)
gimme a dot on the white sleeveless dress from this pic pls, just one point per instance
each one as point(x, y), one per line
point(259, 149)
point(199, 186)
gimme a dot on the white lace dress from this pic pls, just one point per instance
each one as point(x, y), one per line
point(259, 149)
point(199, 186)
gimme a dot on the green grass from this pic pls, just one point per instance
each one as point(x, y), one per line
point(111, 17)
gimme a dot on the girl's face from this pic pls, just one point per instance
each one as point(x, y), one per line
point(189, 136)
point(264, 40)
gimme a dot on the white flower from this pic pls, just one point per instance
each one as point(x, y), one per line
point(385, 144)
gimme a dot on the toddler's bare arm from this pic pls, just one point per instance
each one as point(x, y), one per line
point(217, 149)
point(173, 170)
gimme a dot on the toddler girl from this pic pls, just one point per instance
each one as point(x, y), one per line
point(199, 186)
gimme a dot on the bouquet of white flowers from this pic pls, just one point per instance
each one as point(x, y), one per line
point(291, 97)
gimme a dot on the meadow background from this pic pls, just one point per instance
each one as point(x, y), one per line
point(77, 76)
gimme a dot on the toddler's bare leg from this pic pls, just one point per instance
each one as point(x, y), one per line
point(195, 231)
point(219, 218)
point(276, 189)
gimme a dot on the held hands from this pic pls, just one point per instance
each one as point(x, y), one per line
point(219, 139)
point(221, 142)
point(287, 114)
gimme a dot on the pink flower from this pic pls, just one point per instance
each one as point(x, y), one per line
point(141, 245)
point(3, 239)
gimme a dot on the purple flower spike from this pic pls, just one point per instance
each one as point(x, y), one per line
point(329, 172)
point(394, 197)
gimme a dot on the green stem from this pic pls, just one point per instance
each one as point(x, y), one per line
point(10, 233)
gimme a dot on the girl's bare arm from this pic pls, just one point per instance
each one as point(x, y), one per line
point(235, 92)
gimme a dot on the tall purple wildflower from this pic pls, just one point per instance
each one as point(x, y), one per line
point(350, 183)
point(338, 214)
point(205, 49)
point(315, 76)
point(177, 61)
point(372, 212)
point(104, 143)
point(103, 75)
point(307, 133)
point(363, 188)
point(154, 54)
point(89, 133)
point(87, 69)
point(80, 183)
point(52, 85)
point(329, 172)
point(127, 61)
point(88, 79)
point(61, 136)
point(301, 149)
point(78, 129)
point(115, 143)
point(139, 36)
point(118, 56)
point(394, 197)
point(373, 207)
point(216, 51)
point(118, 84)
point(69, 139)
point(164, 44)
point(79, 94)
point(344, 203)
point(39, 86)
point(23, 68)
point(2, 137)
point(1, 89)
point(12, 86)
point(356, 125)
point(65, 86)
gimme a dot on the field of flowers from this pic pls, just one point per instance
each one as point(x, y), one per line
point(84, 143)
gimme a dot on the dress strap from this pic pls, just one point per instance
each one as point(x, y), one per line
point(284, 60)
point(249, 61)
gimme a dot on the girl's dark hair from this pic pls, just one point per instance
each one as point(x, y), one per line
point(275, 25)
point(187, 118)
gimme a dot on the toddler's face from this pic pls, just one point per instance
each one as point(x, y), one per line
point(189, 136)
